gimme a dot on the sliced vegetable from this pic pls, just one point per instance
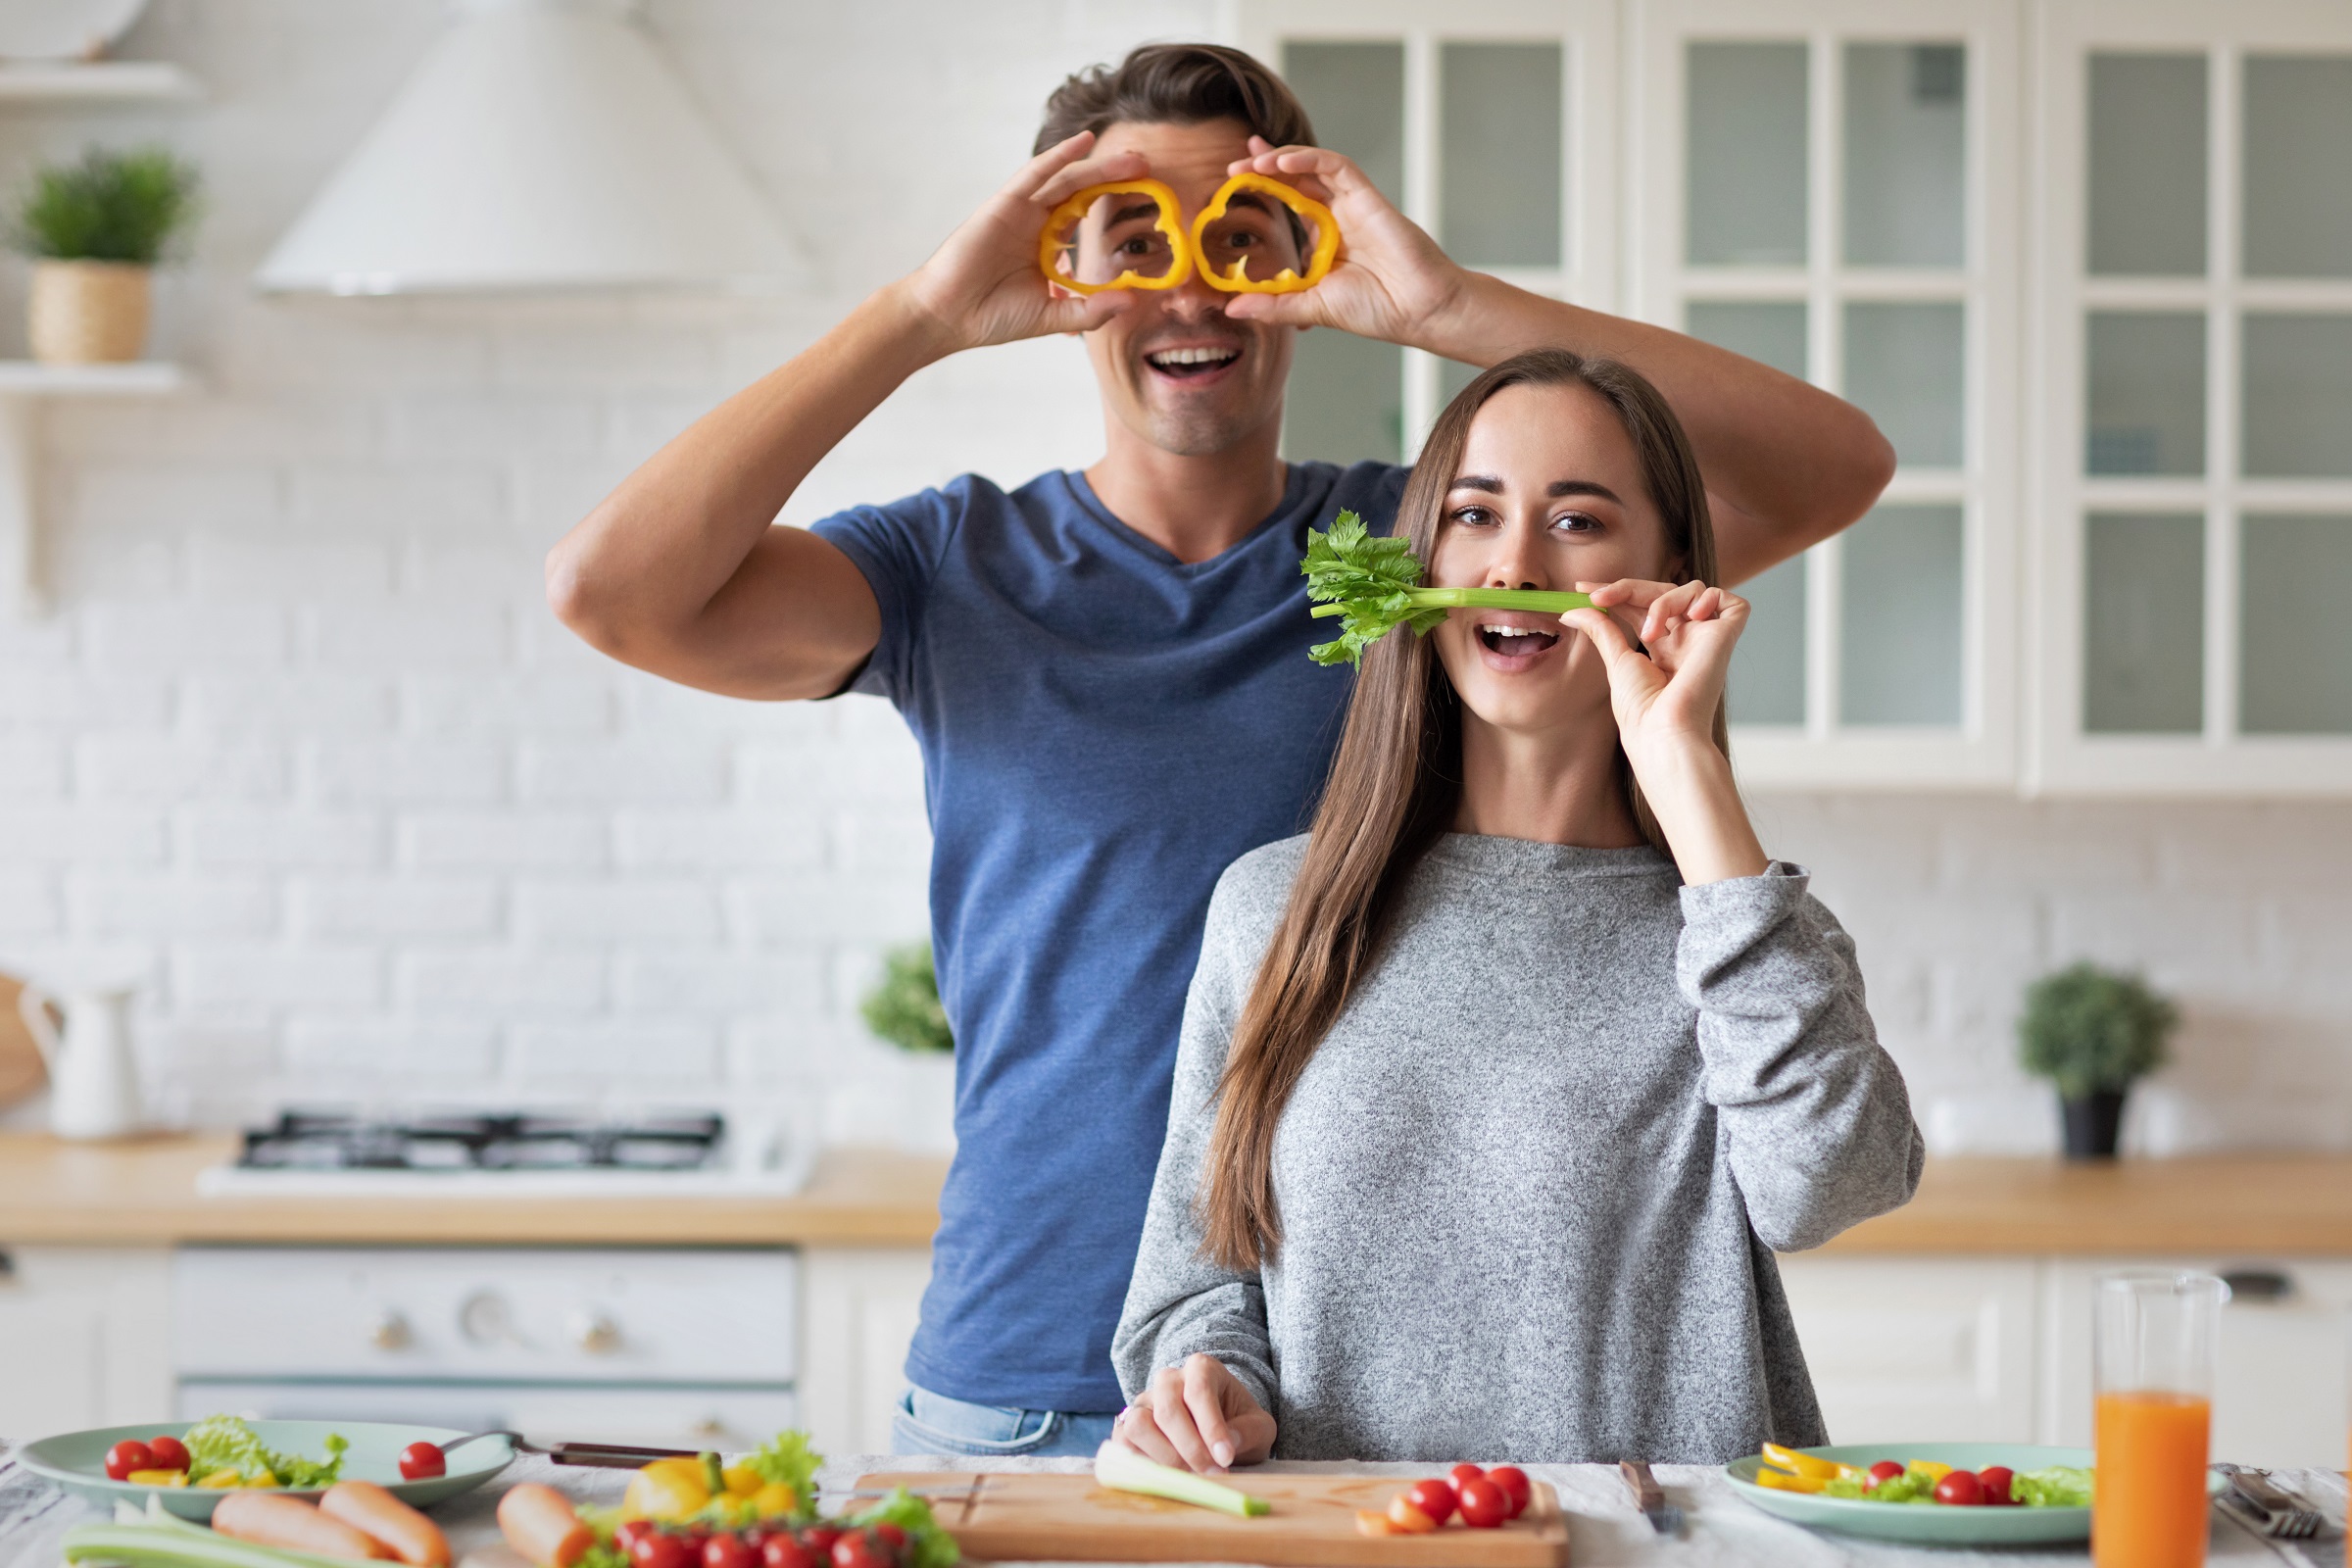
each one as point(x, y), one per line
point(268, 1519)
point(224, 1443)
point(1373, 584)
point(1409, 1519)
point(158, 1478)
point(1373, 1524)
point(1930, 1468)
point(374, 1512)
point(1805, 1464)
point(1782, 1481)
point(542, 1526)
point(1122, 1469)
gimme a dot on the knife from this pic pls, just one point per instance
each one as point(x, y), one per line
point(1648, 1497)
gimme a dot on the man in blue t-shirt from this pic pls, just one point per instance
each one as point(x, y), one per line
point(1106, 670)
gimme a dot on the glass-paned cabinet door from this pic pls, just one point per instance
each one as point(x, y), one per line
point(1492, 123)
point(2195, 261)
point(1829, 186)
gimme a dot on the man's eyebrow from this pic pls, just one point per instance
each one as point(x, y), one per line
point(1128, 215)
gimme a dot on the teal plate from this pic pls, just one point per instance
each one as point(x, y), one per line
point(1924, 1524)
point(76, 1461)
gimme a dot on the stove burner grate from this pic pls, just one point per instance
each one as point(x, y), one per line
point(313, 1140)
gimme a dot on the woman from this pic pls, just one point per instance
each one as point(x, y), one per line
point(1500, 1087)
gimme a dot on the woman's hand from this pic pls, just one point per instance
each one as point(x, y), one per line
point(1664, 695)
point(1391, 279)
point(983, 285)
point(1198, 1416)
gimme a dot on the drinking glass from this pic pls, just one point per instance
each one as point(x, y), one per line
point(2153, 1348)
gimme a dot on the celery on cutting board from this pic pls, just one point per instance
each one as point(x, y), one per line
point(1374, 585)
point(154, 1539)
point(1122, 1469)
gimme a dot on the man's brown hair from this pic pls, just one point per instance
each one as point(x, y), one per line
point(1177, 83)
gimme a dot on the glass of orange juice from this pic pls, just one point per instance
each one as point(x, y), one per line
point(2152, 1356)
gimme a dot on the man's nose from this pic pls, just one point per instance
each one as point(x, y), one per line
point(1194, 301)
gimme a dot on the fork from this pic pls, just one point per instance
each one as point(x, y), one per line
point(2266, 1508)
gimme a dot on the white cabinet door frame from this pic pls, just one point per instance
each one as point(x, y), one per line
point(2061, 757)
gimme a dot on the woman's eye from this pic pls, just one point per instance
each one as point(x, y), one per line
point(1577, 523)
point(1472, 516)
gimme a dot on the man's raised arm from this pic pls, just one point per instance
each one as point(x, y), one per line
point(1787, 464)
point(683, 571)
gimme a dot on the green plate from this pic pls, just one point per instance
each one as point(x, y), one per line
point(1925, 1523)
point(76, 1461)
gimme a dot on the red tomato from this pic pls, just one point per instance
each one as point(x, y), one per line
point(861, 1550)
point(1407, 1519)
point(127, 1456)
point(626, 1536)
point(1996, 1478)
point(1464, 1472)
point(657, 1551)
point(1884, 1470)
point(728, 1552)
point(1961, 1489)
point(1484, 1506)
point(169, 1453)
point(1515, 1485)
point(892, 1533)
point(1435, 1499)
point(421, 1461)
point(783, 1550)
point(821, 1538)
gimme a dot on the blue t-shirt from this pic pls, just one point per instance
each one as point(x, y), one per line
point(1104, 728)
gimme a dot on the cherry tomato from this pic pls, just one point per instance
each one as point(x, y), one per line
point(169, 1453)
point(820, 1537)
point(421, 1461)
point(728, 1552)
point(1996, 1478)
point(1484, 1506)
point(860, 1550)
point(658, 1551)
point(1435, 1499)
point(1464, 1472)
point(1515, 1485)
point(1884, 1470)
point(891, 1534)
point(1961, 1489)
point(626, 1536)
point(784, 1550)
point(127, 1456)
point(1408, 1518)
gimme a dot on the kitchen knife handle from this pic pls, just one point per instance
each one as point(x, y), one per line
point(1649, 1495)
point(614, 1456)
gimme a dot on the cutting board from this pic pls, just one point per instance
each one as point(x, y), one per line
point(1014, 1518)
point(20, 1071)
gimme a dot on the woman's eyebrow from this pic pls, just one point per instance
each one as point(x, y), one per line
point(1581, 487)
point(1476, 481)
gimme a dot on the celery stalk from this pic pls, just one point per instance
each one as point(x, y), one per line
point(1122, 1469)
point(1542, 601)
point(1373, 584)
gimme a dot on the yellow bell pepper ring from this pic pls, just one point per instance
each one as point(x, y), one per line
point(1930, 1468)
point(1237, 279)
point(775, 1500)
point(1807, 1464)
point(741, 1481)
point(1782, 1481)
point(1053, 241)
point(667, 1489)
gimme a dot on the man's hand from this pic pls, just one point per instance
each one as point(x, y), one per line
point(1391, 281)
point(983, 285)
point(1198, 1416)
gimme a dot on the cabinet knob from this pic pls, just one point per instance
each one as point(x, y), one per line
point(389, 1331)
point(484, 1319)
point(596, 1333)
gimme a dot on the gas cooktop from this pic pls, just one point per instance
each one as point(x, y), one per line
point(505, 1154)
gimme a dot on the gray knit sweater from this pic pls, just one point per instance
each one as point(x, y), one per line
point(1532, 1182)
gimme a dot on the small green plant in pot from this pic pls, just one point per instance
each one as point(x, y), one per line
point(904, 1008)
point(95, 230)
point(2092, 1033)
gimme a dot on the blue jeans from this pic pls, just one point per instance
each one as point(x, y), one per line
point(932, 1423)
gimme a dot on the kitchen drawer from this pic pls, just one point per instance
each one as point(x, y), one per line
point(508, 1315)
point(732, 1420)
point(1908, 1349)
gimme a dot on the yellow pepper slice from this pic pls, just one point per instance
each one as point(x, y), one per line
point(741, 1481)
point(1782, 1481)
point(223, 1481)
point(1238, 281)
point(667, 1488)
point(1051, 243)
point(1930, 1468)
point(775, 1498)
point(1807, 1464)
point(158, 1478)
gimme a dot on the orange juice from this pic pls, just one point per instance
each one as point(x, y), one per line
point(2147, 1488)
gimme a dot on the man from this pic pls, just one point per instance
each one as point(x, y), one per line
point(1107, 671)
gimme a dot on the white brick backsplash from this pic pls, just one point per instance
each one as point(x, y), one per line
point(506, 840)
point(279, 705)
point(377, 907)
point(32, 767)
point(667, 1057)
point(223, 836)
point(101, 903)
point(488, 425)
point(144, 496)
point(81, 835)
point(719, 841)
point(504, 981)
point(29, 904)
point(667, 771)
point(407, 634)
point(462, 705)
point(146, 766)
point(407, 771)
point(288, 563)
point(309, 973)
point(721, 984)
point(181, 638)
point(53, 698)
point(335, 1051)
point(355, 496)
point(640, 910)
point(829, 907)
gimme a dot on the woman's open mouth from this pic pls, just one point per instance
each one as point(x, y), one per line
point(1518, 644)
point(1191, 364)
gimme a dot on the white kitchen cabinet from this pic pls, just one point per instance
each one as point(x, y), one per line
point(84, 1337)
point(1916, 1350)
point(858, 1308)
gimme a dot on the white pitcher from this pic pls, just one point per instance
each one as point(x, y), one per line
point(93, 1078)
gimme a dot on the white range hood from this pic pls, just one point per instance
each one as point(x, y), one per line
point(542, 145)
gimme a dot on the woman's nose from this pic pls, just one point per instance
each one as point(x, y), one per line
point(1518, 560)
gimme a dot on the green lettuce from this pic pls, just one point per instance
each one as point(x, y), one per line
point(787, 1460)
point(928, 1544)
point(2059, 1487)
point(224, 1443)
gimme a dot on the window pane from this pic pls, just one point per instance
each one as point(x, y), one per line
point(1745, 130)
point(1903, 369)
point(1345, 402)
point(1499, 151)
point(1899, 625)
point(2295, 675)
point(1355, 92)
point(2298, 166)
point(2298, 403)
point(1769, 332)
point(2147, 164)
point(1452, 376)
point(2143, 624)
point(1768, 661)
point(2146, 376)
point(1906, 107)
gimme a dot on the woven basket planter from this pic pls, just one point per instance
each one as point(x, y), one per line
point(89, 312)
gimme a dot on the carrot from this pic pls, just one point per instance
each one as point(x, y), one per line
point(372, 1510)
point(268, 1519)
point(538, 1522)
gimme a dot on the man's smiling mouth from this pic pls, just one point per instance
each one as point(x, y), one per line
point(1185, 364)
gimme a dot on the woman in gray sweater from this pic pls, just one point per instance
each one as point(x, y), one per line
point(1500, 1089)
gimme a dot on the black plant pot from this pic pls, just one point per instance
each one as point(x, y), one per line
point(2093, 1123)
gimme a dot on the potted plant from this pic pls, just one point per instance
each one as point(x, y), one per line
point(904, 1008)
point(2092, 1032)
point(95, 230)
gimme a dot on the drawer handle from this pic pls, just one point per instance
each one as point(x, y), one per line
point(2259, 1284)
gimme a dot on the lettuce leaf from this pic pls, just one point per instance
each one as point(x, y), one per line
point(2058, 1487)
point(224, 1443)
point(788, 1459)
point(928, 1544)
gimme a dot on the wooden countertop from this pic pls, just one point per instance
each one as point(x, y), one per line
point(2236, 1205)
point(144, 1192)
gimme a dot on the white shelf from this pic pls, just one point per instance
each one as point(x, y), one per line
point(100, 81)
point(24, 386)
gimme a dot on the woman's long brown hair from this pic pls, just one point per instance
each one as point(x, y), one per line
point(1394, 787)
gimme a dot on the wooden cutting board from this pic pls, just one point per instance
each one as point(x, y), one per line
point(21, 1071)
point(1013, 1518)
